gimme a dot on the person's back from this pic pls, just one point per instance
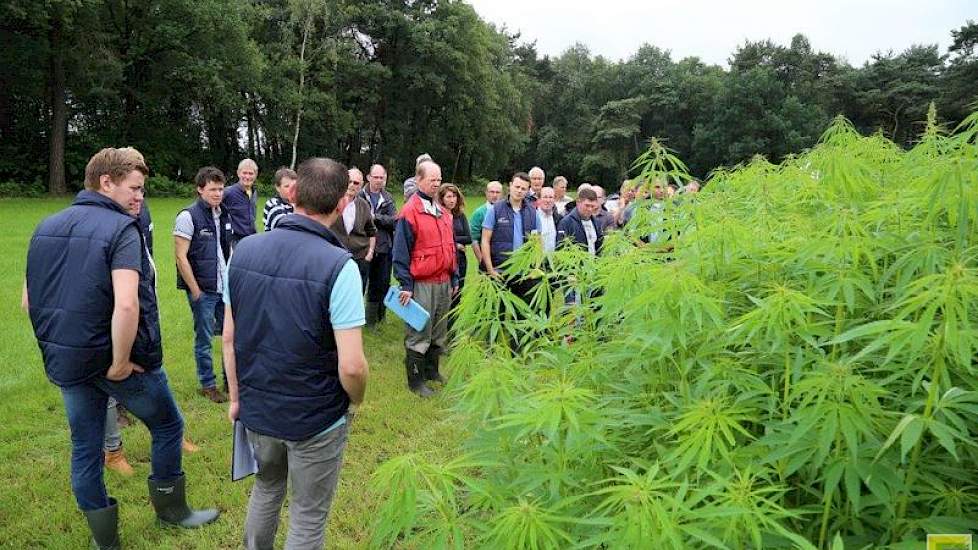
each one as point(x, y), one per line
point(292, 266)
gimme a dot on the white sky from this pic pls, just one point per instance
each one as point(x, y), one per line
point(712, 29)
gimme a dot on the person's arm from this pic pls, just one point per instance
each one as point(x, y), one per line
point(386, 216)
point(465, 237)
point(401, 259)
point(370, 249)
point(487, 258)
point(353, 367)
point(180, 248)
point(230, 362)
point(125, 320)
point(24, 302)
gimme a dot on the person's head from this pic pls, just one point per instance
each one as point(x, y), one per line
point(210, 185)
point(356, 182)
point(693, 187)
point(451, 199)
point(377, 178)
point(600, 192)
point(247, 172)
point(537, 177)
point(321, 187)
point(494, 190)
point(285, 183)
point(428, 178)
point(587, 203)
point(518, 186)
point(560, 188)
point(422, 158)
point(119, 174)
point(546, 200)
point(659, 190)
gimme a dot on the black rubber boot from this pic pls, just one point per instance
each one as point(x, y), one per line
point(104, 524)
point(431, 372)
point(169, 499)
point(373, 313)
point(415, 364)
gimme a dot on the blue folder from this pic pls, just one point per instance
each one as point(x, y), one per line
point(413, 314)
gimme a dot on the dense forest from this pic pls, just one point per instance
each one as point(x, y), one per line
point(192, 82)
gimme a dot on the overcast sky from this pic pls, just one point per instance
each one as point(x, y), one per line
point(712, 29)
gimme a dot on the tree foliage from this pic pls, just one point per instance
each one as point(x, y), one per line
point(794, 370)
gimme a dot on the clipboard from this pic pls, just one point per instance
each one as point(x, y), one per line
point(243, 461)
point(412, 314)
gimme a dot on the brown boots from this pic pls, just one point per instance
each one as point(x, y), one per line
point(116, 461)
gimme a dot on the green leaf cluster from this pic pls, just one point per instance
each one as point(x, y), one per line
point(789, 366)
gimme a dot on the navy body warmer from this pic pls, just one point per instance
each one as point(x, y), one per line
point(70, 291)
point(288, 372)
point(501, 241)
point(202, 253)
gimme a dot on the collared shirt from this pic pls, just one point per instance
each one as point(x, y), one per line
point(184, 228)
point(350, 215)
point(592, 234)
point(490, 224)
point(548, 230)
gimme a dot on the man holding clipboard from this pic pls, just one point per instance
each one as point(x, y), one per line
point(424, 265)
point(293, 372)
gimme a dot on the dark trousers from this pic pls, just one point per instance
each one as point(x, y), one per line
point(379, 277)
point(364, 267)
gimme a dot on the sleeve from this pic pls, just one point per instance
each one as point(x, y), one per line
point(465, 236)
point(184, 226)
point(346, 300)
point(386, 216)
point(489, 222)
point(475, 224)
point(128, 251)
point(401, 256)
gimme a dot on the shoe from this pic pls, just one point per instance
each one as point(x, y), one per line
point(373, 313)
point(414, 363)
point(169, 499)
point(122, 415)
point(188, 446)
point(116, 461)
point(214, 395)
point(104, 525)
point(430, 372)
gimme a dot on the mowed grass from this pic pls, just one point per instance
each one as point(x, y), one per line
point(37, 509)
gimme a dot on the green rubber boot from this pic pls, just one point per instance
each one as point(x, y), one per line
point(169, 499)
point(104, 524)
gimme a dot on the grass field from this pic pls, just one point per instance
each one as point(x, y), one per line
point(37, 509)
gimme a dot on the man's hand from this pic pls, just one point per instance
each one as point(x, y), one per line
point(405, 297)
point(370, 256)
point(454, 290)
point(196, 296)
point(460, 247)
point(233, 407)
point(495, 274)
point(121, 371)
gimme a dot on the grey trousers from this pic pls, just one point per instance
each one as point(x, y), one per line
point(437, 300)
point(314, 466)
point(113, 437)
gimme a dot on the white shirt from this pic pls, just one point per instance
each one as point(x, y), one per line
point(350, 216)
point(592, 234)
point(548, 230)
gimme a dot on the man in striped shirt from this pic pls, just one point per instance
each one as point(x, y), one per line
point(281, 204)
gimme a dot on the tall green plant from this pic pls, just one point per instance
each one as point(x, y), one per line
point(792, 369)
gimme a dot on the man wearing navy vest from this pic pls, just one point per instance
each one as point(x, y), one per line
point(92, 302)
point(240, 201)
point(507, 226)
point(202, 243)
point(293, 372)
point(424, 265)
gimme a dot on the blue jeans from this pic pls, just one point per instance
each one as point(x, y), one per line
point(204, 315)
point(148, 397)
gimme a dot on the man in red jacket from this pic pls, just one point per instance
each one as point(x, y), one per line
point(424, 265)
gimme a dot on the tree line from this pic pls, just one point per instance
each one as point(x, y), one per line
point(201, 82)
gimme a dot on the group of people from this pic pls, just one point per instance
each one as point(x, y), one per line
point(289, 303)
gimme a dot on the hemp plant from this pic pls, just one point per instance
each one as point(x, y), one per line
point(793, 368)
